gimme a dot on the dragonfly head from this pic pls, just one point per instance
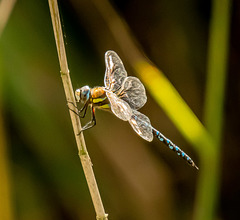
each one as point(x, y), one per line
point(82, 94)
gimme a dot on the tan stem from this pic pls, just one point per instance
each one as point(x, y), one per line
point(83, 154)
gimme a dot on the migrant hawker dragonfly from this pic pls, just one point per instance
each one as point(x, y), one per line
point(123, 95)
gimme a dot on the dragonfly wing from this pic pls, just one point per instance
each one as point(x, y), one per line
point(119, 107)
point(115, 71)
point(141, 125)
point(133, 92)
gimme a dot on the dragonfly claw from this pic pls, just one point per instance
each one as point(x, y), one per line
point(71, 103)
point(79, 132)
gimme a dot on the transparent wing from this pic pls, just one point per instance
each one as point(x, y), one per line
point(115, 72)
point(133, 92)
point(141, 125)
point(119, 107)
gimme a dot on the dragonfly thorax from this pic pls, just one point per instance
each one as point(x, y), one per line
point(82, 94)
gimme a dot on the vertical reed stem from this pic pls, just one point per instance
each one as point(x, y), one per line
point(83, 154)
point(208, 186)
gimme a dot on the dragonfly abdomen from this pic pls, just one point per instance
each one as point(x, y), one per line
point(173, 147)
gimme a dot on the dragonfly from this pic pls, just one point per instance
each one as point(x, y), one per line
point(123, 95)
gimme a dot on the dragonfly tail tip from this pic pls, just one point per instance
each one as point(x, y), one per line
point(196, 167)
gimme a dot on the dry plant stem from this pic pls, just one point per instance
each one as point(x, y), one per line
point(6, 7)
point(83, 154)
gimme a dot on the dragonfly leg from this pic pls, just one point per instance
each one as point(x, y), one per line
point(72, 104)
point(91, 123)
point(83, 109)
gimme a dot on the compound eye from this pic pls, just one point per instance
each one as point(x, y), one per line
point(83, 94)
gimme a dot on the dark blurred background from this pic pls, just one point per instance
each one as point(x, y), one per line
point(136, 179)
